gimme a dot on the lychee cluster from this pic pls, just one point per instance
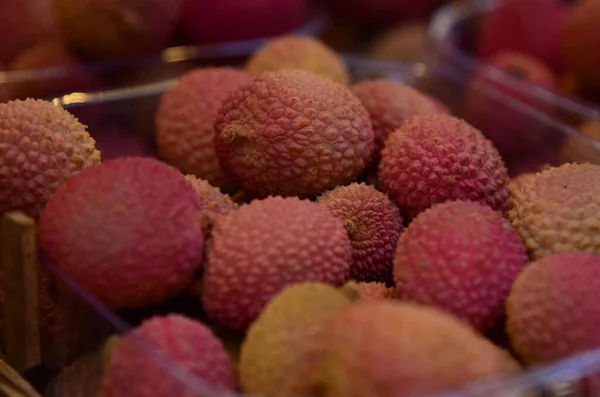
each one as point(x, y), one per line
point(305, 278)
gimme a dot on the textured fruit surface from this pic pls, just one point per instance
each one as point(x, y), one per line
point(126, 231)
point(281, 351)
point(371, 291)
point(229, 20)
point(298, 52)
point(512, 26)
point(518, 137)
point(460, 257)
point(390, 104)
point(559, 210)
point(407, 42)
point(24, 23)
point(113, 28)
point(553, 307)
point(188, 345)
point(265, 246)
point(516, 184)
point(213, 203)
point(388, 349)
point(582, 149)
point(41, 146)
point(579, 42)
point(436, 158)
point(185, 118)
point(291, 132)
point(373, 223)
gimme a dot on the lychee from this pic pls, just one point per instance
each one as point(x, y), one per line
point(373, 223)
point(584, 148)
point(436, 158)
point(407, 42)
point(41, 146)
point(293, 133)
point(281, 350)
point(388, 349)
point(185, 118)
point(134, 370)
point(558, 211)
point(126, 231)
point(460, 257)
point(553, 308)
point(298, 52)
point(579, 44)
point(265, 246)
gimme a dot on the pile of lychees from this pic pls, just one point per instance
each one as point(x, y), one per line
point(360, 239)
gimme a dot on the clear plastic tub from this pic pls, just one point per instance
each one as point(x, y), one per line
point(452, 33)
point(72, 363)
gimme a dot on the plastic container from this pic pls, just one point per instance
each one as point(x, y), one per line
point(72, 366)
point(452, 33)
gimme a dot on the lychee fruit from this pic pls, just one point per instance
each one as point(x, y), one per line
point(518, 136)
point(516, 184)
point(213, 203)
point(436, 158)
point(111, 29)
point(407, 42)
point(231, 20)
point(281, 350)
point(41, 146)
point(579, 43)
point(511, 27)
point(584, 148)
point(265, 246)
point(390, 104)
point(388, 349)
point(133, 370)
point(185, 118)
point(126, 231)
point(558, 211)
point(373, 223)
point(553, 310)
point(293, 133)
point(299, 52)
point(368, 291)
point(70, 75)
point(460, 257)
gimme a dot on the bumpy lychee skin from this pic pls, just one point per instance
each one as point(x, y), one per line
point(390, 104)
point(293, 133)
point(41, 146)
point(213, 203)
point(125, 230)
point(282, 348)
point(460, 257)
point(559, 210)
point(265, 246)
point(187, 344)
point(371, 291)
point(516, 184)
point(373, 223)
point(386, 349)
point(185, 118)
point(552, 310)
point(299, 52)
point(436, 158)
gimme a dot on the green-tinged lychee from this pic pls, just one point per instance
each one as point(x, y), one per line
point(135, 371)
point(460, 257)
point(41, 146)
point(299, 52)
point(437, 158)
point(265, 246)
point(553, 310)
point(559, 211)
point(185, 117)
point(282, 348)
point(373, 223)
point(390, 349)
point(126, 230)
point(371, 291)
point(293, 133)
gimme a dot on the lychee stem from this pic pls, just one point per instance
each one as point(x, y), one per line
point(350, 227)
point(229, 135)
